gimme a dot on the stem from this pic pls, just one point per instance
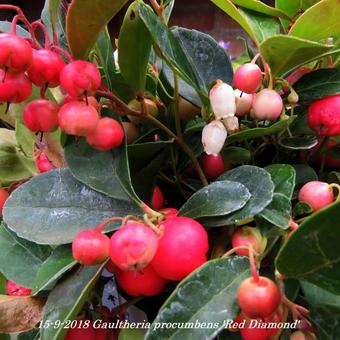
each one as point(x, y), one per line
point(158, 9)
point(176, 99)
point(14, 24)
point(120, 105)
point(337, 187)
point(39, 24)
point(63, 52)
point(253, 268)
point(102, 225)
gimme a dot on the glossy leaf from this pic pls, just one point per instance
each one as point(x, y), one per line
point(283, 177)
point(85, 20)
point(134, 49)
point(217, 199)
point(318, 296)
point(316, 240)
point(6, 26)
point(235, 154)
point(298, 142)
point(20, 259)
point(260, 132)
point(296, 51)
point(302, 208)
point(325, 318)
point(304, 174)
point(59, 262)
point(53, 207)
point(318, 22)
point(67, 298)
point(216, 283)
point(318, 84)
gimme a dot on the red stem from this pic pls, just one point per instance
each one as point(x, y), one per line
point(14, 24)
point(253, 268)
point(63, 52)
point(39, 24)
point(102, 225)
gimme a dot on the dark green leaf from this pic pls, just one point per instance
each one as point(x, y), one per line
point(216, 283)
point(298, 142)
point(296, 51)
point(304, 174)
point(283, 176)
point(3, 281)
point(260, 132)
point(302, 208)
point(31, 335)
point(85, 20)
point(194, 125)
point(20, 260)
point(318, 296)
point(134, 49)
point(130, 334)
point(318, 84)
point(235, 154)
point(53, 207)
point(67, 299)
point(334, 177)
point(217, 199)
point(316, 241)
point(325, 318)
point(59, 262)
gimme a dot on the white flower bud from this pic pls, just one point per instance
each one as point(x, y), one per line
point(214, 135)
point(244, 102)
point(222, 100)
point(115, 58)
point(231, 124)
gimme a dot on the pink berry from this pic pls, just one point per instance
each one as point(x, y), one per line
point(43, 164)
point(248, 78)
point(80, 77)
point(181, 249)
point(244, 102)
point(133, 246)
point(14, 87)
point(45, 68)
point(90, 247)
point(157, 200)
point(247, 236)
point(212, 166)
point(16, 290)
point(78, 119)
point(169, 212)
point(91, 101)
point(323, 116)
point(41, 115)
point(143, 282)
point(317, 194)
point(108, 135)
point(267, 105)
point(15, 53)
point(3, 197)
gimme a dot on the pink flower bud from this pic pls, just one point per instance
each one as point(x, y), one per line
point(222, 100)
point(214, 135)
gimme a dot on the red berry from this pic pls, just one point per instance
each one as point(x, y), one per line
point(133, 246)
point(76, 118)
point(181, 249)
point(91, 101)
point(15, 52)
point(212, 165)
point(45, 68)
point(16, 290)
point(3, 197)
point(254, 333)
point(43, 164)
point(246, 236)
point(143, 282)
point(267, 105)
point(244, 102)
point(323, 116)
point(80, 77)
point(258, 299)
point(157, 200)
point(169, 212)
point(90, 247)
point(108, 135)
point(248, 78)
point(82, 333)
point(41, 115)
point(14, 87)
point(316, 194)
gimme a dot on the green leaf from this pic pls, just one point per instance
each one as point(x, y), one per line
point(216, 283)
point(130, 334)
point(3, 282)
point(235, 154)
point(85, 20)
point(6, 26)
point(298, 142)
point(279, 211)
point(24, 138)
point(217, 199)
point(53, 207)
point(260, 132)
point(316, 241)
point(304, 174)
point(66, 300)
point(59, 262)
point(318, 84)
point(261, 188)
point(318, 22)
point(283, 176)
point(296, 51)
point(318, 296)
point(325, 318)
point(20, 260)
point(302, 208)
point(134, 49)
point(109, 170)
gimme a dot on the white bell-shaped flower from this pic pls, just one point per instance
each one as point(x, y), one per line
point(222, 100)
point(214, 135)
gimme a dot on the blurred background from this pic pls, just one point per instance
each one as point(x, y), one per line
point(196, 14)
